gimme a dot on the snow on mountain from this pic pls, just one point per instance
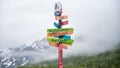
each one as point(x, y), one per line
point(30, 52)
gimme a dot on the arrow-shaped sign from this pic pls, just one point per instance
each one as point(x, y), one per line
point(64, 22)
point(59, 33)
point(56, 25)
point(59, 30)
point(64, 41)
point(55, 14)
point(64, 37)
point(56, 45)
point(61, 17)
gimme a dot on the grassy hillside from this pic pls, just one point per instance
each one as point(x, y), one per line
point(108, 59)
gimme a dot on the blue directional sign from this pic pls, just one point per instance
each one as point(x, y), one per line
point(56, 25)
point(64, 37)
point(55, 14)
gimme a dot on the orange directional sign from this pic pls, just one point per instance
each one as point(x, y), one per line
point(59, 33)
point(57, 45)
point(61, 17)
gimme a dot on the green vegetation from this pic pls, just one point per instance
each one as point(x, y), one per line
point(108, 59)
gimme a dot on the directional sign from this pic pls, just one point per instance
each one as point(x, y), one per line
point(61, 17)
point(57, 45)
point(59, 33)
point(64, 37)
point(56, 25)
point(64, 22)
point(59, 30)
point(55, 14)
point(64, 41)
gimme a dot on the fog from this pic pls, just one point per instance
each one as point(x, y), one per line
point(95, 22)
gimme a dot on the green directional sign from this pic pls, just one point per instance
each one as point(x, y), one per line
point(59, 30)
point(64, 41)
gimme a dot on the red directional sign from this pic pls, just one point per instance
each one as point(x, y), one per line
point(64, 22)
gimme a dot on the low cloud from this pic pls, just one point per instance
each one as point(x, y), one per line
point(95, 23)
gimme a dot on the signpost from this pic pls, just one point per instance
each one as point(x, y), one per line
point(59, 37)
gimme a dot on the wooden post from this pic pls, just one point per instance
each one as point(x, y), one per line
point(60, 51)
point(60, 56)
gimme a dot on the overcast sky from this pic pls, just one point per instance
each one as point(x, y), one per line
point(95, 21)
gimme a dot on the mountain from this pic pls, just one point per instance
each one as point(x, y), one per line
point(19, 56)
point(107, 59)
point(38, 51)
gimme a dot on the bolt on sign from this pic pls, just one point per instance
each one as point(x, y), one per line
point(58, 36)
